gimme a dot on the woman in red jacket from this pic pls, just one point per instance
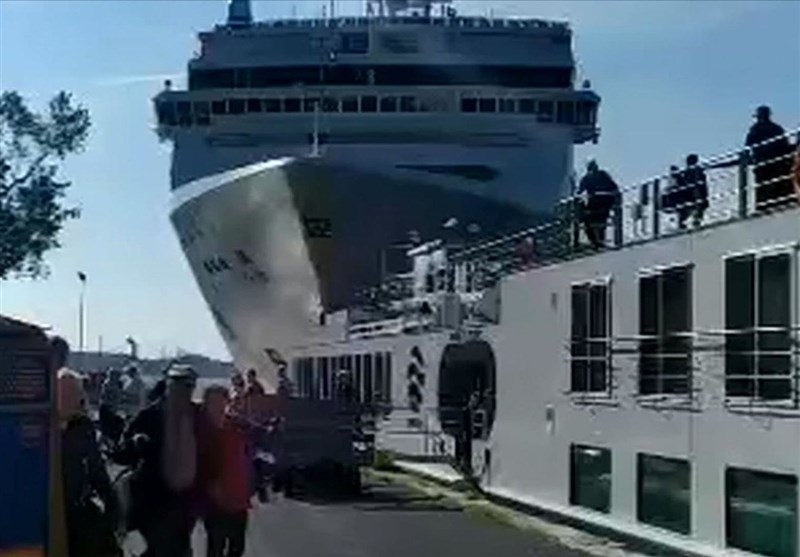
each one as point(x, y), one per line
point(227, 479)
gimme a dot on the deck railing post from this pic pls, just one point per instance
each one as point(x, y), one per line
point(742, 182)
point(656, 208)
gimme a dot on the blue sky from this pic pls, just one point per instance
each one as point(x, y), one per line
point(675, 77)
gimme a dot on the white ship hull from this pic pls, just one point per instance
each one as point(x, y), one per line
point(274, 244)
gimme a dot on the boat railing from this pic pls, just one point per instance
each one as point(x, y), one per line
point(735, 192)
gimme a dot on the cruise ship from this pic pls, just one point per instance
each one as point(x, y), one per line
point(308, 154)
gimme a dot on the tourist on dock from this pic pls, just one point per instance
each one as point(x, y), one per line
point(112, 424)
point(771, 160)
point(90, 528)
point(160, 444)
point(601, 194)
point(225, 469)
point(254, 386)
point(133, 392)
point(694, 180)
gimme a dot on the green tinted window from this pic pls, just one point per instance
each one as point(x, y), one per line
point(590, 478)
point(664, 495)
point(761, 512)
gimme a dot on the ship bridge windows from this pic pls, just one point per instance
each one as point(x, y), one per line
point(369, 103)
point(330, 104)
point(202, 113)
point(506, 105)
point(165, 112)
point(487, 105)
point(408, 104)
point(272, 105)
point(184, 112)
point(219, 107)
point(545, 111)
point(310, 104)
point(527, 106)
point(388, 104)
point(350, 104)
point(236, 106)
point(254, 105)
point(565, 113)
point(469, 104)
point(292, 104)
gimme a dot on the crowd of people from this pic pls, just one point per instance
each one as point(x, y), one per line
point(182, 461)
point(776, 171)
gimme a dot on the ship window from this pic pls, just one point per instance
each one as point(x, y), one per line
point(389, 104)
point(487, 105)
point(590, 359)
point(350, 104)
point(469, 104)
point(506, 105)
point(357, 379)
point(380, 390)
point(241, 78)
point(758, 343)
point(368, 385)
point(664, 493)
point(761, 512)
point(527, 106)
point(566, 113)
point(355, 43)
point(325, 378)
point(590, 477)
point(200, 108)
point(254, 105)
point(310, 104)
point(166, 113)
point(545, 111)
point(369, 103)
point(408, 104)
point(272, 105)
point(291, 105)
point(218, 107)
point(330, 104)
point(583, 113)
point(665, 324)
point(236, 106)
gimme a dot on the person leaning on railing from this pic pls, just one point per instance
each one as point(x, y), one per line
point(600, 195)
point(771, 159)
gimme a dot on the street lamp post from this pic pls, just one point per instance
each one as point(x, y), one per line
point(81, 311)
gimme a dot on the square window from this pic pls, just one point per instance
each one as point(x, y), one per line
point(272, 105)
point(487, 105)
point(350, 104)
point(664, 493)
point(254, 105)
point(369, 103)
point(330, 104)
point(218, 107)
point(389, 104)
point(761, 512)
point(527, 106)
point(291, 105)
point(310, 104)
point(469, 105)
point(236, 106)
point(590, 478)
point(408, 104)
point(506, 105)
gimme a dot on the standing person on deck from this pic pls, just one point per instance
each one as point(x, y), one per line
point(225, 473)
point(161, 445)
point(601, 196)
point(771, 159)
point(90, 528)
point(694, 179)
point(134, 391)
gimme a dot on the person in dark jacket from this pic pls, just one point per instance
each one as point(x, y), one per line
point(601, 195)
point(771, 159)
point(90, 528)
point(696, 197)
point(161, 444)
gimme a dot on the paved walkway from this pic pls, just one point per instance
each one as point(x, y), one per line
point(387, 521)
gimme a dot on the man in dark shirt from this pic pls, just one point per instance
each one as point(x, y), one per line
point(771, 159)
point(696, 197)
point(601, 195)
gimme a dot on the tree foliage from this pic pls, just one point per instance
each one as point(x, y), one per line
point(32, 209)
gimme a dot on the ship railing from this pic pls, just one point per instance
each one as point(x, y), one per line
point(735, 192)
point(686, 368)
point(391, 21)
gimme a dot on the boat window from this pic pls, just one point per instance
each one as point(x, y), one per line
point(357, 377)
point(184, 110)
point(758, 343)
point(368, 383)
point(369, 103)
point(545, 111)
point(590, 478)
point(388, 104)
point(469, 104)
point(566, 113)
point(330, 104)
point(583, 113)
point(355, 43)
point(241, 78)
point(408, 104)
point(219, 107)
point(201, 111)
point(527, 106)
point(379, 379)
point(761, 512)
point(664, 493)
point(665, 325)
point(310, 104)
point(291, 104)
point(590, 359)
point(325, 378)
point(487, 105)
point(272, 105)
point(236, 106)
point(254, 105)
point(350, 104)
point(506, 105)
